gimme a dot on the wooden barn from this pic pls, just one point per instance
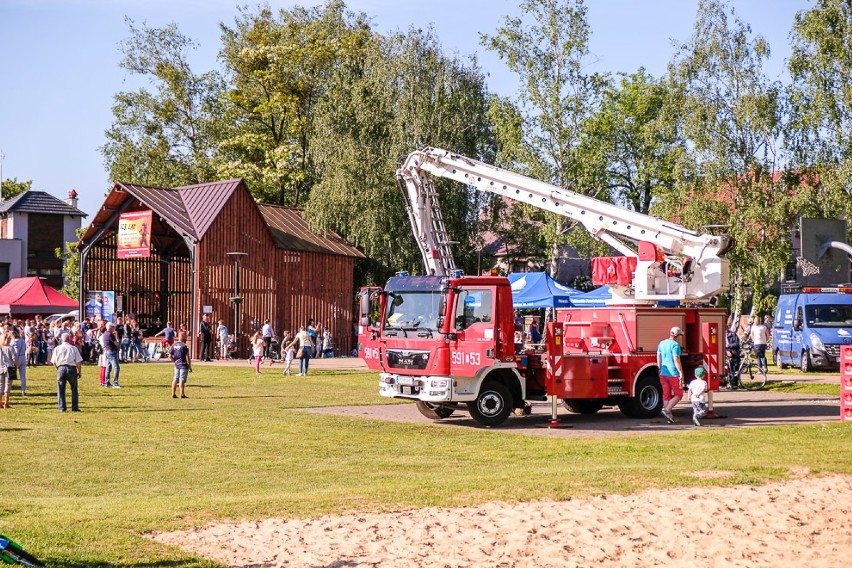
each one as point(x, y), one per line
point(288, 274)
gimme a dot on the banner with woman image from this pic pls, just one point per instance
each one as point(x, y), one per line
point(134, 234)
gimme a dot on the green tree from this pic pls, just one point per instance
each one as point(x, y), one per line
point(167, 137)
point(731, 118)
point(279, 67)
point(546, 47)
point(12, 187)
point(631, 144)
point(70, 257)
point(395, 95)
point(820, 110)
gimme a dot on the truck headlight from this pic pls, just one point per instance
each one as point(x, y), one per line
point(440, 383)
point(816, 342)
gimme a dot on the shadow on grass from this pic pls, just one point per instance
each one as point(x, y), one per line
point(141, 409)
point(167, 385)
point(90, 564)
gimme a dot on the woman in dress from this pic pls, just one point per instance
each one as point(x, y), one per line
point(257, 349)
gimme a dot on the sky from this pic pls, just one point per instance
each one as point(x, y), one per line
point(59, 61)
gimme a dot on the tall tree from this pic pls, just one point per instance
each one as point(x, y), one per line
point(731, 119)
point(279, 66)
point(166, 137)
point(631, 143)
point(820, 112)
point(398, 94)
point(546, 47)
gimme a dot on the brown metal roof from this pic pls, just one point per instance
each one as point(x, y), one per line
point(203, 202)
point(190, 211)
point(291, 232)
point(168, 203)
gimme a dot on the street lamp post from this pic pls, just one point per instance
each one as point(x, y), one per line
point(237, 299)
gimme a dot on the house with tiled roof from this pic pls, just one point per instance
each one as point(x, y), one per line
point(287, 274)
point(33, 224)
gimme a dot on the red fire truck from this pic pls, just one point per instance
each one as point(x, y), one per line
point(444, 339)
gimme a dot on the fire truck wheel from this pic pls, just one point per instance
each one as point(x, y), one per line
point(777, 357)
point(647, 401)
point(434, 411)
point(582, 406)
point(493, 405)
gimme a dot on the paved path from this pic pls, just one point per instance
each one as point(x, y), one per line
point(356, 364)
point(738, 409)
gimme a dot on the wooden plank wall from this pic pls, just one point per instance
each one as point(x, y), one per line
point(286, 287)
point(138, 281)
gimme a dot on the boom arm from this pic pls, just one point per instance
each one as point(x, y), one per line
point(679, 264)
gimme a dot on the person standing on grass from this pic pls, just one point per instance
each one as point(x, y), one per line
point(697, 388)
point(267, 332)
point(68, 362)
point(21, 352)
point(222, 336)
point(258, 345)
point(109, 342)
point(8, 362)
point(179, 353)
point(205, 333)
point(289, 352)
point(305, 343)
point(671, 372)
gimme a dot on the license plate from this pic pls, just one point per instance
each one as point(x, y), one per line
point(406, 381)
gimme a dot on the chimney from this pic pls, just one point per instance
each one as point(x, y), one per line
point(72, 199)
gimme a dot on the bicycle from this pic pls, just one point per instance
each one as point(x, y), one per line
point(751, 375)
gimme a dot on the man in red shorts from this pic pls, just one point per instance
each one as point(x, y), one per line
point(671, 372)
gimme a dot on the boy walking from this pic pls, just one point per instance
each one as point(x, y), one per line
point(697, 389)
point(179, 353)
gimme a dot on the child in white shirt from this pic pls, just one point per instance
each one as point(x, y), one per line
point(697, 389)
point(289, 355)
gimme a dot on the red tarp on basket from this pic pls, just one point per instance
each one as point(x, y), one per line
point(613, 270)
point(32, 296)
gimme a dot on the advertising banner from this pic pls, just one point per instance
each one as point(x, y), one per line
point(108, 308)
point(100, 305)
point(94, 304)
point(134, 234)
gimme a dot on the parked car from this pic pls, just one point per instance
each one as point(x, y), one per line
point(72, 315)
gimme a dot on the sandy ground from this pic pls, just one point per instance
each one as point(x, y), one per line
point(804, 522)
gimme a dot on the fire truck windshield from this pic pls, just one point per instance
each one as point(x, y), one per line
point(413, 310)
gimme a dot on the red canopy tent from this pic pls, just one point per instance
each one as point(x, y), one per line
point(32, 296)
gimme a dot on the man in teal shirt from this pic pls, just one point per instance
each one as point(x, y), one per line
point(671, 372)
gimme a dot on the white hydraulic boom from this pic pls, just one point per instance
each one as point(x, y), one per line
point(678, 264)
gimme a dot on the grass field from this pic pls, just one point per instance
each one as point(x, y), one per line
point(80, 489)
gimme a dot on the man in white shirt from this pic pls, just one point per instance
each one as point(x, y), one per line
point(266, 333)
point(68, 362)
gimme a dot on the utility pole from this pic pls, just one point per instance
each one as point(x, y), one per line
point(2, 156)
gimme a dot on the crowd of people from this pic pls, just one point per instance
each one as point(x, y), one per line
point(67, 344)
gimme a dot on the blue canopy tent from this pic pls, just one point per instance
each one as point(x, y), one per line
point(539, 290)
